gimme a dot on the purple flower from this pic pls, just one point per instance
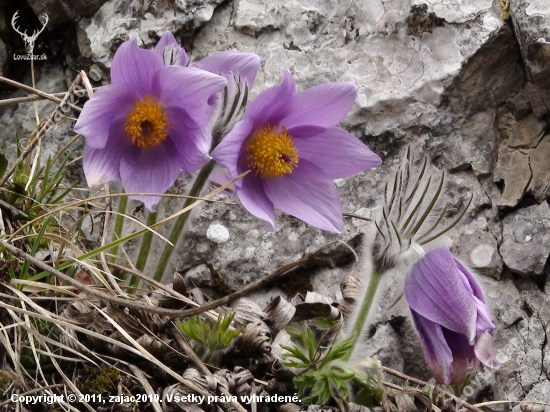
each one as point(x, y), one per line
point(151, 122)
point(290, 142)
point(451, 316)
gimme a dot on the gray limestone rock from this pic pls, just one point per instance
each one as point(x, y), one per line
point(61, 11)
point(540, 166)
point(513, 169)
point(198, 276)
point(532, 27)
point(119, 20)
point(526, 240)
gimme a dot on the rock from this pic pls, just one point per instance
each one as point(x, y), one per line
point(478, 248)
point(532, 26)
point(198, 276)
point(526, 240)
point(526, 133)
point(217, 233)
point(61, 11)
point(513, 169)
point(538, 161)
point(119, 20)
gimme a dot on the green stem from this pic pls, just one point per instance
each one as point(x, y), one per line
point(364, 310)
point(144, 250)
point(119, 225)
point(201, 180)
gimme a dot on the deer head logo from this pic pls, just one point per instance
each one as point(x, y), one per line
point(29, 40)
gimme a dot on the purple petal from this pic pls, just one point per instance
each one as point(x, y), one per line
point(227, 153)
point(135, 67)
point(253, 197)
point(102, 165)
point(434, 288)
point(337, 152)
point(149, 171)
point(272, 104)
point(464, 359)
point(192, 145)
point(229, 63)
point(308, 194)
point(437, 353)
point(484, 352)
point(324, 105)
point(483, 322)
point(169, 50)
point(189, 89)
point(108, 104)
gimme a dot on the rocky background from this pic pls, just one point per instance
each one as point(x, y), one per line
point(465, 82)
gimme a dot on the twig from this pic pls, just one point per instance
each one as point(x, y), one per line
point(13, 210)
point(146, 386)
point(39, 92)
point(461, 402)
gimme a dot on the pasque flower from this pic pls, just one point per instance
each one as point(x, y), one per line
point(151, 122)
point(292, 145)
point(451, 317)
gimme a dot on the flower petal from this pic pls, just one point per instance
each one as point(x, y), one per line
point(170, 51)
point(135, 67)
point(149, 171)
point(272, 104)
point(464, 358)
point(108, 104)
point(229, 63)
point(190, 89)
point(337, 152)
point(484, 352)
point(324, 105)
point(227, 153)
point(437, 353)
point(102, 165)
point(253, 197)
point(308, 194)
point(192, 145)
point(434, 288)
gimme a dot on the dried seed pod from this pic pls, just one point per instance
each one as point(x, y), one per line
point(449, 405)
point(255, 340)
point(353, 407)
point(282, 372)
point(405, 403)
point(350, 286)
point(279, 313)
point(178, 391)
point(178, 283)
point(289, 407)
point(246, 311)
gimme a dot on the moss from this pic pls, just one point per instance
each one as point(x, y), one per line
point(297, 283)
point(107, 380)
point(218, 282)
point(505, 15)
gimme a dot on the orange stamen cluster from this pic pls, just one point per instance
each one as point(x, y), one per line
point(271, 152)
point(147, 124)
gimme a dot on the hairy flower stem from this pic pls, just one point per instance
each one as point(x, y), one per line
point(119, 225)
point(201, 180)
point(144, 250)
point(364, 309)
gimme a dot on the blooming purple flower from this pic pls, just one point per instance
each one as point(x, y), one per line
point(451, 316)
point(151, 122)
point(290, 142)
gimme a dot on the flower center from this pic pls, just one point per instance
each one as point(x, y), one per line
point(147, 124)
point(271, 152)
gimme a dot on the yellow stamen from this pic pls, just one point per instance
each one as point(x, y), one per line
point(271, 152)
point(147, 124)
